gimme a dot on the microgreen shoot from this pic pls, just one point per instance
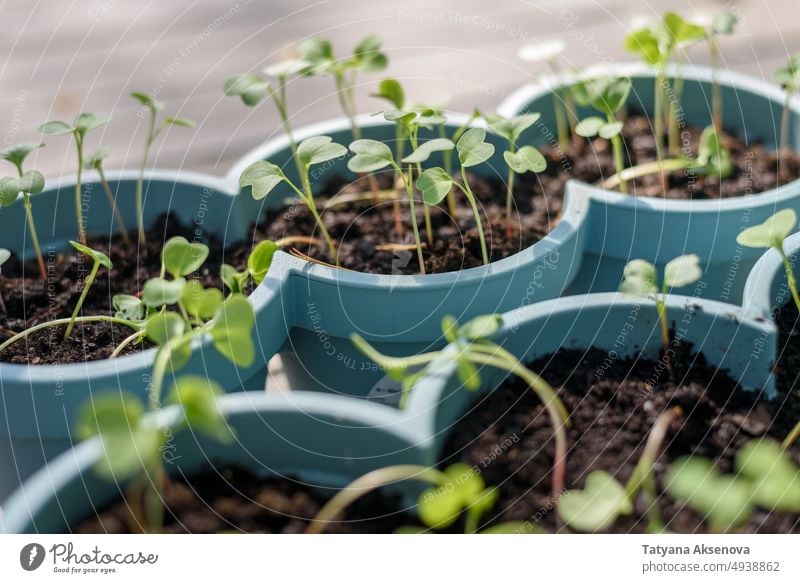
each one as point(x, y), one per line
point(5, 255)
point(765, 477)
point(640, 280)
point(95, 162)
point(258, 263)
point(470, 347)
point(549, 52)
point(607, 95)
point(154, 129)
point(263, 177)
point(392, 91)
point(721, 23)
point(28, 183)
point(770, 235)
point(787, 77)
point(603, 498)
point(522, 160)
point(81, 125)
point(435, 183)
point(98, 260)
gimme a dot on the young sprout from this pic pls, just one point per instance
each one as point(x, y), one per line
point(524, 159)
point(28, 183)
point(252, 89)
point(603, 498)
point(154, 129)
point(435, 183)
point(640, 280)
point(770, 235)
point(258, 264)
point(95, 162)
point(98, 260)
point(5, 254)
point(367, 57)
point(458, 490)
point(607, 95)
point(722, 23)
point(263, 177)
point(656, 44)
point(470, 347)
point(371, 156)
point(787, 77)
point(133, 443)
point(549, 52)
point(392, 91)
point(766, 477)
point(81, 125)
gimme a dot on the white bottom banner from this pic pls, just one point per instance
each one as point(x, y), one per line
point(389, 558)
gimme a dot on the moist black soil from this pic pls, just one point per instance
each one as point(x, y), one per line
point(787, 368)
point(30, 301)
point(362, 229)
point(613, 404)
point(235, 500)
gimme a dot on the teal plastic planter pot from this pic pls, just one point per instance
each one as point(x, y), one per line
point(38, 403)
point(622, 227)
point(327, 440)
point(767, 287)
point(401, 314)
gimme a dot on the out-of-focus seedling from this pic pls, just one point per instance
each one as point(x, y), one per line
point(5, 254)
point(720, 24)
point(787, 77)
point(95, 162)
point(98, 260)
point(28, 183)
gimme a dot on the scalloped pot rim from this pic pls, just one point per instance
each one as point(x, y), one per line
point(578, 196)
point(767, 274)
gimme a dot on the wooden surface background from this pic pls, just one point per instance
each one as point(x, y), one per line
point(61, 57)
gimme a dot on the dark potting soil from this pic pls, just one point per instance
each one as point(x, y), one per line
point(236, 500)
point(360, 229)
point(507, 436)
point(787, 368)
point(30, 301)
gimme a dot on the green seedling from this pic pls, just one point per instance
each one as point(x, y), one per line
point(770, 235)
point(657, 44)
point(98, 260)
point(713, 159)
point(5, 255)
point(371, 156)
point(133, 442)
point(787, 77)
point(263, 177)
point(604, 499)
point(640, 280)
point(721, 24)
point(765, 477)
point(607, 95)
point(519, 160)
point(252, 89)
point(435, 183)
point(367, 57)
point(28, 183)
point(549, 52)
point(95, 162)
point(470, 347)
point(258, 264)
point(456, 491)
point(81, 125)
point(154, 129)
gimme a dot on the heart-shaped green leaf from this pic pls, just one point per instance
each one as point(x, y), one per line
point(589, 127)
point(596, 507)
point(775, 477)
point(199, 302)
point(424, 151)
point(481, 327)
point(318, 52)
point(17, 154)
point(683, 31)
point(263, 177)
point(526, 159)
point(682, 271)
point(368, 56)
point(154, 105)
point(439, 507)
point(197, 398)
point(164, 326)
point(180, 257)
point(85, 122)
point(639, 279)
point(128, 307)
point(232, 331)
point(512, 128)
point(609, 130)
point(434, 183)
point(159, 292)
point(31, 182)
point(392, 91)
point(473, 148)
point(95, 160)
point(260, 259)
point(97, 256)
point(234, 280)
point(56, 128)
point(370, 155)
point(287, 68)
point(251, 88)
point(646, 44)
point(771, 232)
point(724, 22)
point(319, 149)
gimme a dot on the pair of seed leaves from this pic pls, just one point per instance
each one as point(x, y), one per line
point(640, 277)
point(607, 95)
point(31, 182)
point(788, 76)
point(252, 89)
point(132, 441)
point(765, 477)
point(656, 42)
point(771, 233)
